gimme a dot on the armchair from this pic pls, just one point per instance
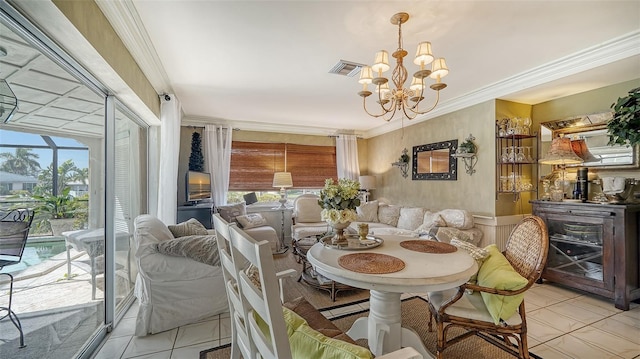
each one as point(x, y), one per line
point(307, 221)
point(526, 252)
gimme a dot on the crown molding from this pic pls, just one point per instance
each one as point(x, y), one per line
point(607, 52)
point(126, 22)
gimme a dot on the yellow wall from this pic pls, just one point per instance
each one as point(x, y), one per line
point(94, 26)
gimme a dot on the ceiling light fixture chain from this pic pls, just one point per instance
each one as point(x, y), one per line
point(392, 100)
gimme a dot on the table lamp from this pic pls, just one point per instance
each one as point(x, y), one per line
point(367, 183)
point(282, 180)
point(561, 154)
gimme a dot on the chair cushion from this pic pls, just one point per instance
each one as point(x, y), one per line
point(496, 272)
point(308, 343)
point(368, 211)
point(188, 228)
point(231, 211)
point(251, 220)
point(199, 248)
point(388, 214)
point(469, 306)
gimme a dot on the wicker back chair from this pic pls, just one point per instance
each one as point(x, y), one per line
point(526, 251)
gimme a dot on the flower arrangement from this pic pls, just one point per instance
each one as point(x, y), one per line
point(339, 200)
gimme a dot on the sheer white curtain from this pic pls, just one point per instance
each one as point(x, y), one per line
point(217, 141)
point(347, 157)
point(170, 118)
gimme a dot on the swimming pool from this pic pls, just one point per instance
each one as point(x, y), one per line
point(37, 251)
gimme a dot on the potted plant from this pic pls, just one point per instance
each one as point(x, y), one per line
point(59, 209)
point(623, 128)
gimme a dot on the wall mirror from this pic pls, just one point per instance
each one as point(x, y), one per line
point(435, 161)
point(593, 129)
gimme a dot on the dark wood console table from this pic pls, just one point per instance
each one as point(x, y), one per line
point(593, 247)
point(201, 211)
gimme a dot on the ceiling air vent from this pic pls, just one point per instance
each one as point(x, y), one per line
point(346, 68)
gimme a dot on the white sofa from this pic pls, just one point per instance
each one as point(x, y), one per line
point(420, 222)
point(172, 290)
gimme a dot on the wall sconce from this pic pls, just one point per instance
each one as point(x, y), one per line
point(403, 163)
point(467, 151)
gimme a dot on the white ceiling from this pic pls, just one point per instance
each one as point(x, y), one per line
point(264, 65)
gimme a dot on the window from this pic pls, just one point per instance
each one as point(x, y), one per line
point(254, 163)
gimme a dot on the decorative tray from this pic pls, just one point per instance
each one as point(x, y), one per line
point(353, 243)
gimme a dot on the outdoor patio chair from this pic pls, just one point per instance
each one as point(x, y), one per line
point(526, 252)
point(14, 230)
point(277, 332)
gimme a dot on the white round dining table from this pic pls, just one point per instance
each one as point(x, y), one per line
point(422, 273)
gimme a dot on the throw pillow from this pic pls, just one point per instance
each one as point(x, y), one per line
point(388, 214)
point(457, 218)
point(410, 218)
point(199, 248)
point(496, 272)
point(306, 342)
point(231, 211)
point(477, 253)
point(429, 221)
point(251, 220)
point(368, 212)
point(188, 228)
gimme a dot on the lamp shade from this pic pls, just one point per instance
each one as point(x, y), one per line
point(282, 179)
point(423, 54)
point(366, 75)
point(381, 62)
point(416, 84)
point(580, 148)
point(367, 182)
point(560, 153)
point(439, 69)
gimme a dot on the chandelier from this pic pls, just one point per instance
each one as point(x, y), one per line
point(397, 99)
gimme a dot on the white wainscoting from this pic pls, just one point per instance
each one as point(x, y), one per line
point(496, 229)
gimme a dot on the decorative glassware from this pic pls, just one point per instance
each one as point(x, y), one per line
point(520, 154)
point(363, 230)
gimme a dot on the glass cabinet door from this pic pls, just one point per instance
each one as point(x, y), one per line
point(576, 248)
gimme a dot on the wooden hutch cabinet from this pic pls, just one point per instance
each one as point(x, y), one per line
point(593, 247)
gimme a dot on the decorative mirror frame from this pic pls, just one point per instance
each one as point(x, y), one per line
point(586, 123)
point(452, 175)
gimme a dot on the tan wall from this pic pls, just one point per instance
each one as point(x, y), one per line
point(94, 26)
point(472, 192)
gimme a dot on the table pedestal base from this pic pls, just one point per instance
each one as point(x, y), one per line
point(383, 327)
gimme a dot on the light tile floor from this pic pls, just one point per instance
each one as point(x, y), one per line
point(562, 323)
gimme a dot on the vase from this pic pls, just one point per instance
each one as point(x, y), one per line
point(338, 229)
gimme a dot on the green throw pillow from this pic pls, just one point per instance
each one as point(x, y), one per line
point(496, 272)
point(308, 343)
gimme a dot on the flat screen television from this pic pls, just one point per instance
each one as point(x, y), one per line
point(198, 186)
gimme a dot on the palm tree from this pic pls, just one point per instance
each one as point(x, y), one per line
point(81, 175)
point(23, 162)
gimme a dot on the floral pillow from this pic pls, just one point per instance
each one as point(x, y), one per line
point(251, 220)
point(231, 211)
point(410, 218)
point(389, 214)
point(430, 220)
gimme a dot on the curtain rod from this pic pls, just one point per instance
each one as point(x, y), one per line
point(202, 127)
point(357, 136)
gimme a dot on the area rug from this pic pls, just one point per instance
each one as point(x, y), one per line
point(473, 347)
point(318, 298)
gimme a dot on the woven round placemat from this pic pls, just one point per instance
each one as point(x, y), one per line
point(426, 246)
point(371, 263)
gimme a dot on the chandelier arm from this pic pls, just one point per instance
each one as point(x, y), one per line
point(426, 111)
point(392, 114)
point(364, 106)
point(391, 102)
point(409, 117)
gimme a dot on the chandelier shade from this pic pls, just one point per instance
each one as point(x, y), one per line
point(395, 97)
